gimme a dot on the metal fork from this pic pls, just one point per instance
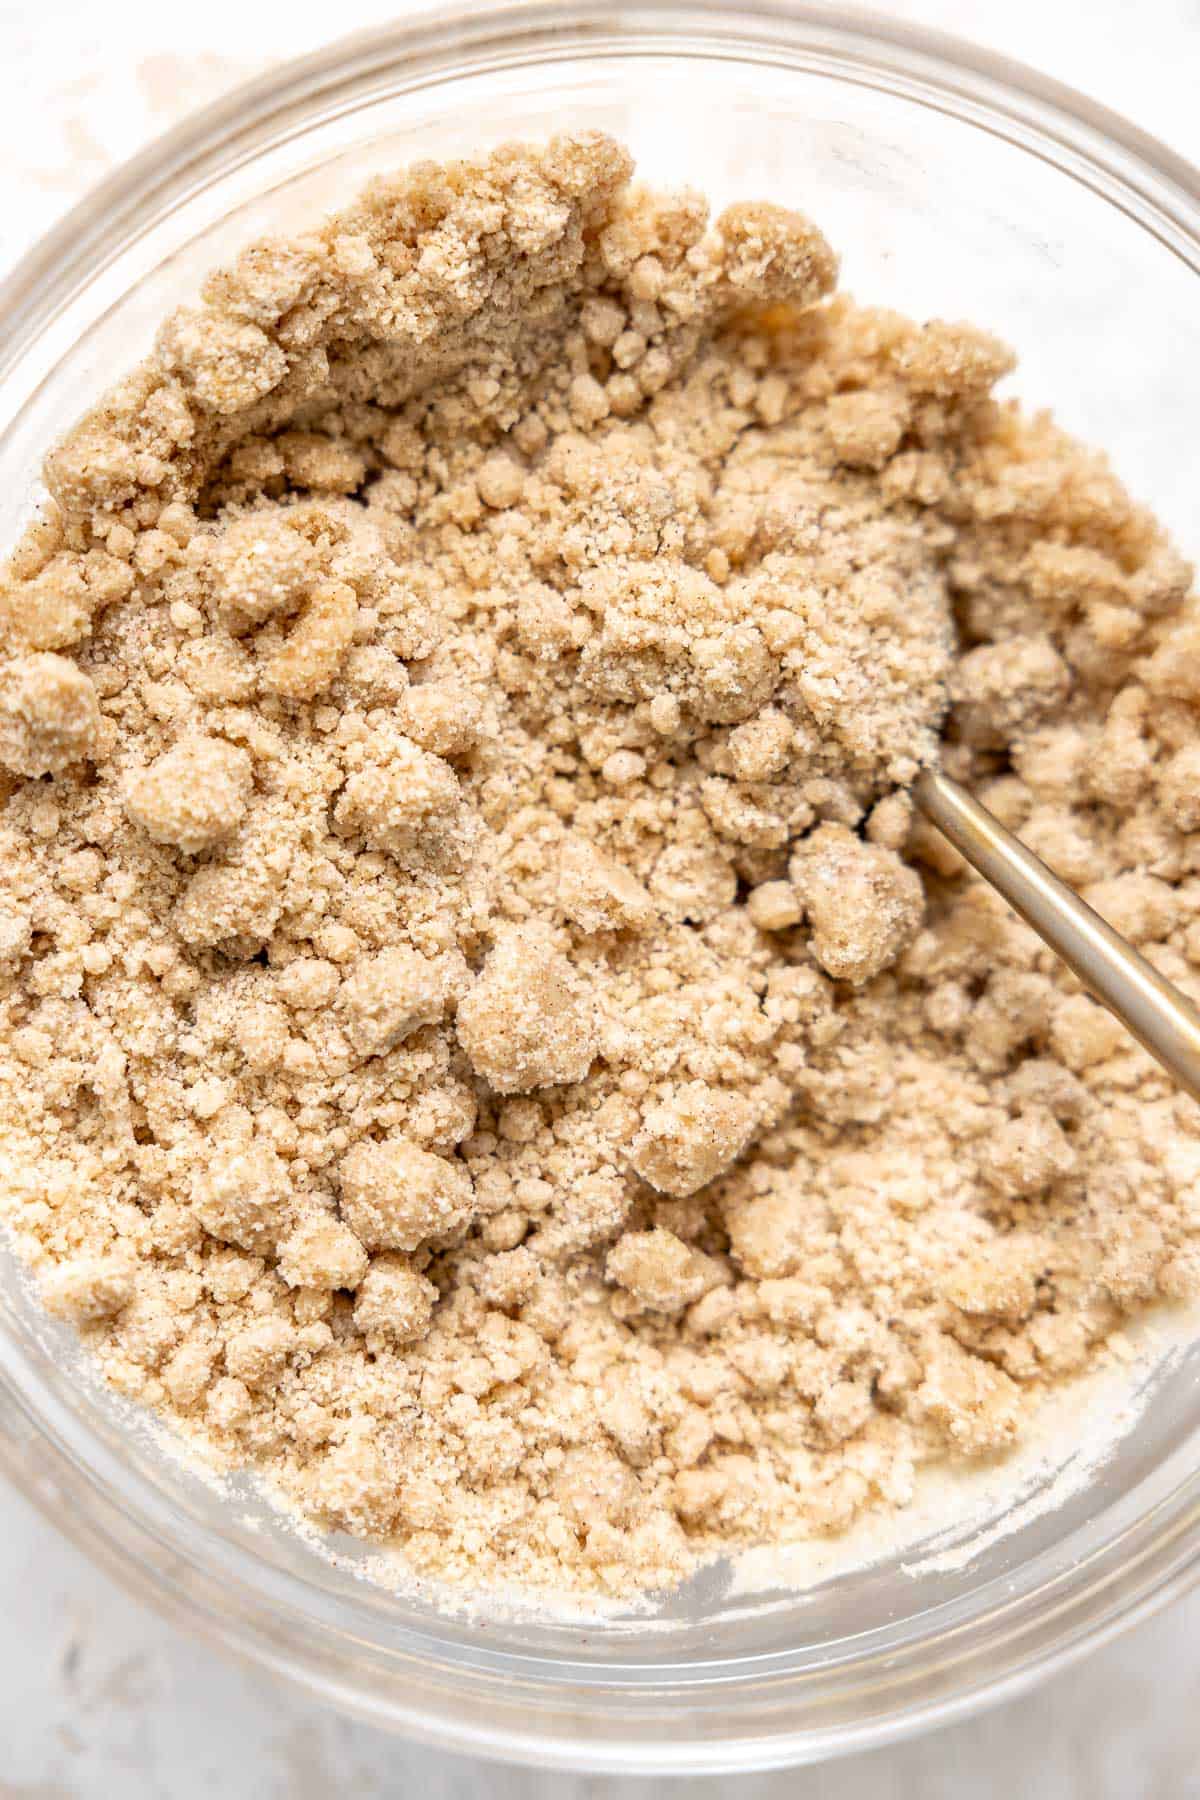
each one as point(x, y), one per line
point(1159, 1016)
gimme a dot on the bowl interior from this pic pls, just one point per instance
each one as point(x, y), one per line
point(940, 203)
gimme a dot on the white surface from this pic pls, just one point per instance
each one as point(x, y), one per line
point(97, 1697)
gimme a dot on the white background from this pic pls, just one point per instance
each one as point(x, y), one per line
point(97, 1697)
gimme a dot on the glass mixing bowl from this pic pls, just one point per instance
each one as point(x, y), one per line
point(952, 183)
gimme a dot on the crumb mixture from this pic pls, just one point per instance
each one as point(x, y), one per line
point(484, 1040)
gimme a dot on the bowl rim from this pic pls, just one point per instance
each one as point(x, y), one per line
point(1160, 190)
point(158, 176)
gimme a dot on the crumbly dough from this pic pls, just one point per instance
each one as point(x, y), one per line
point(483, 1039)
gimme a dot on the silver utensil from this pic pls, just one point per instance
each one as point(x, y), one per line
point(1160, 1017)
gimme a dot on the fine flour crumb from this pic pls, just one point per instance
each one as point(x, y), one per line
point(484, 1040)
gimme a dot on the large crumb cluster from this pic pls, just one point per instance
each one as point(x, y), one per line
point(483, 1039)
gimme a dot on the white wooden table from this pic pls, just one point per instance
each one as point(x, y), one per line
point(97, 1697)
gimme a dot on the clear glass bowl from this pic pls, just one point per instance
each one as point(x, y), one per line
point(953, 184)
